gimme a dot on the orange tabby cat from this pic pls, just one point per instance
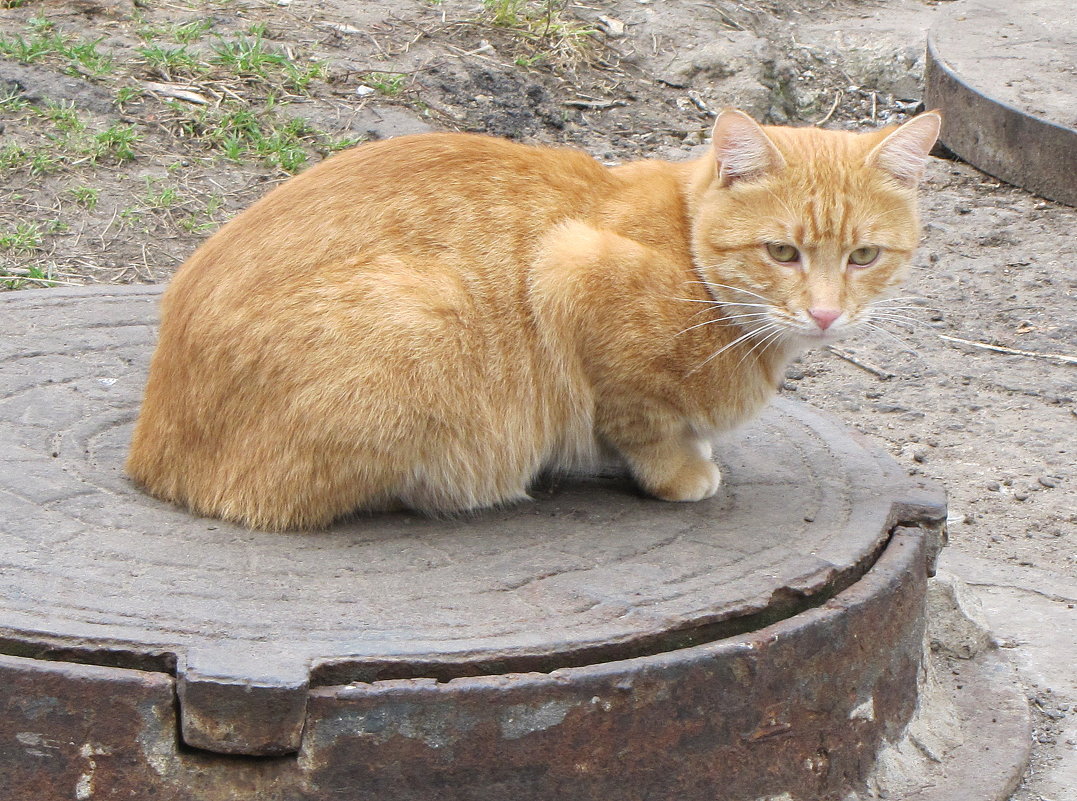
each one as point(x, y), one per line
point(431, 321)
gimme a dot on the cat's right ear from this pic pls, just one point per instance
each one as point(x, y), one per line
point(742, 149)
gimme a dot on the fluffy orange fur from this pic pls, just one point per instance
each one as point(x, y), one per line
point(431, 321)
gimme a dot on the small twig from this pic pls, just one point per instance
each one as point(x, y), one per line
point(176, 91)
point(475, 54)
point(340, 27)
point(595, 105)
point(23, 275)
point(883, 375)
point(833, 107)
point(1011, 351)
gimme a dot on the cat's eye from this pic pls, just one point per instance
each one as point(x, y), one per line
point(779, 251)
point(862, 257)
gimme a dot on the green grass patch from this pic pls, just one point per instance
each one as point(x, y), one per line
point(86, 55)
point(542, 31)
point(187, 32)
point(70, 143)
point(63, 116)
point(389, 84)
point(117, 141)
point(239, 132)
point(254, 61)
point(506, 13)
point(161, 198)
point(180, 32)
point(25, 239)
point(171, 60)
point(200, 222)
point(13, 103)
point(42, 162)
point(43, 42)
point(86, 196)
point(125, 94)
point(14, 157)
point(24, 277)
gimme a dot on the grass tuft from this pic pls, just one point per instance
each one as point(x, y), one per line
point(170, 61)
point(86, 196)
point(44, 41)
point(542, 31)
point(25, 239)
point(389, 84)
point(116, 141)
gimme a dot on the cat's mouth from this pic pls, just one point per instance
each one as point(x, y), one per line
point(815, 335)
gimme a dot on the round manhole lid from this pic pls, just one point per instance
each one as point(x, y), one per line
point(590, 571)
point(1003, 75)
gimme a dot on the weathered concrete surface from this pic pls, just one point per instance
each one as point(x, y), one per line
point(1003, 74)
point(970, 737)
point(1032, 614)
point(593, 640)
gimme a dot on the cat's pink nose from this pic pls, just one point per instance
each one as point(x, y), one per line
point(824, 317)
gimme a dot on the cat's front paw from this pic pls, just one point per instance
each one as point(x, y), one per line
point(695, 481)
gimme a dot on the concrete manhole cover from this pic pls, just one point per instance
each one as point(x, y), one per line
point(591, 644)
point(1004, 74)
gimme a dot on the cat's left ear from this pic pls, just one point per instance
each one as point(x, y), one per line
point(903, 153)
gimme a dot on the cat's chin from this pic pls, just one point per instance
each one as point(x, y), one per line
point(813, 339)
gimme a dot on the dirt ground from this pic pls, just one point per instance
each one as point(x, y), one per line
point(130, 130)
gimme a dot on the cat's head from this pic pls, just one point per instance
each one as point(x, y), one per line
point(799, 231)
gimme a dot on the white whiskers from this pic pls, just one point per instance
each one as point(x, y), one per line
point(711, 285)
point(725, 319)
point(771, 338)
point(766, 332)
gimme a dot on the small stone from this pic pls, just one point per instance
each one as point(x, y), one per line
point(914, 451)
point(1020, 495)
point(1048, 481)
point(994, 486)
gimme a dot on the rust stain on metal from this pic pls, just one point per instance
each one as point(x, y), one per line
point(670, 725)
